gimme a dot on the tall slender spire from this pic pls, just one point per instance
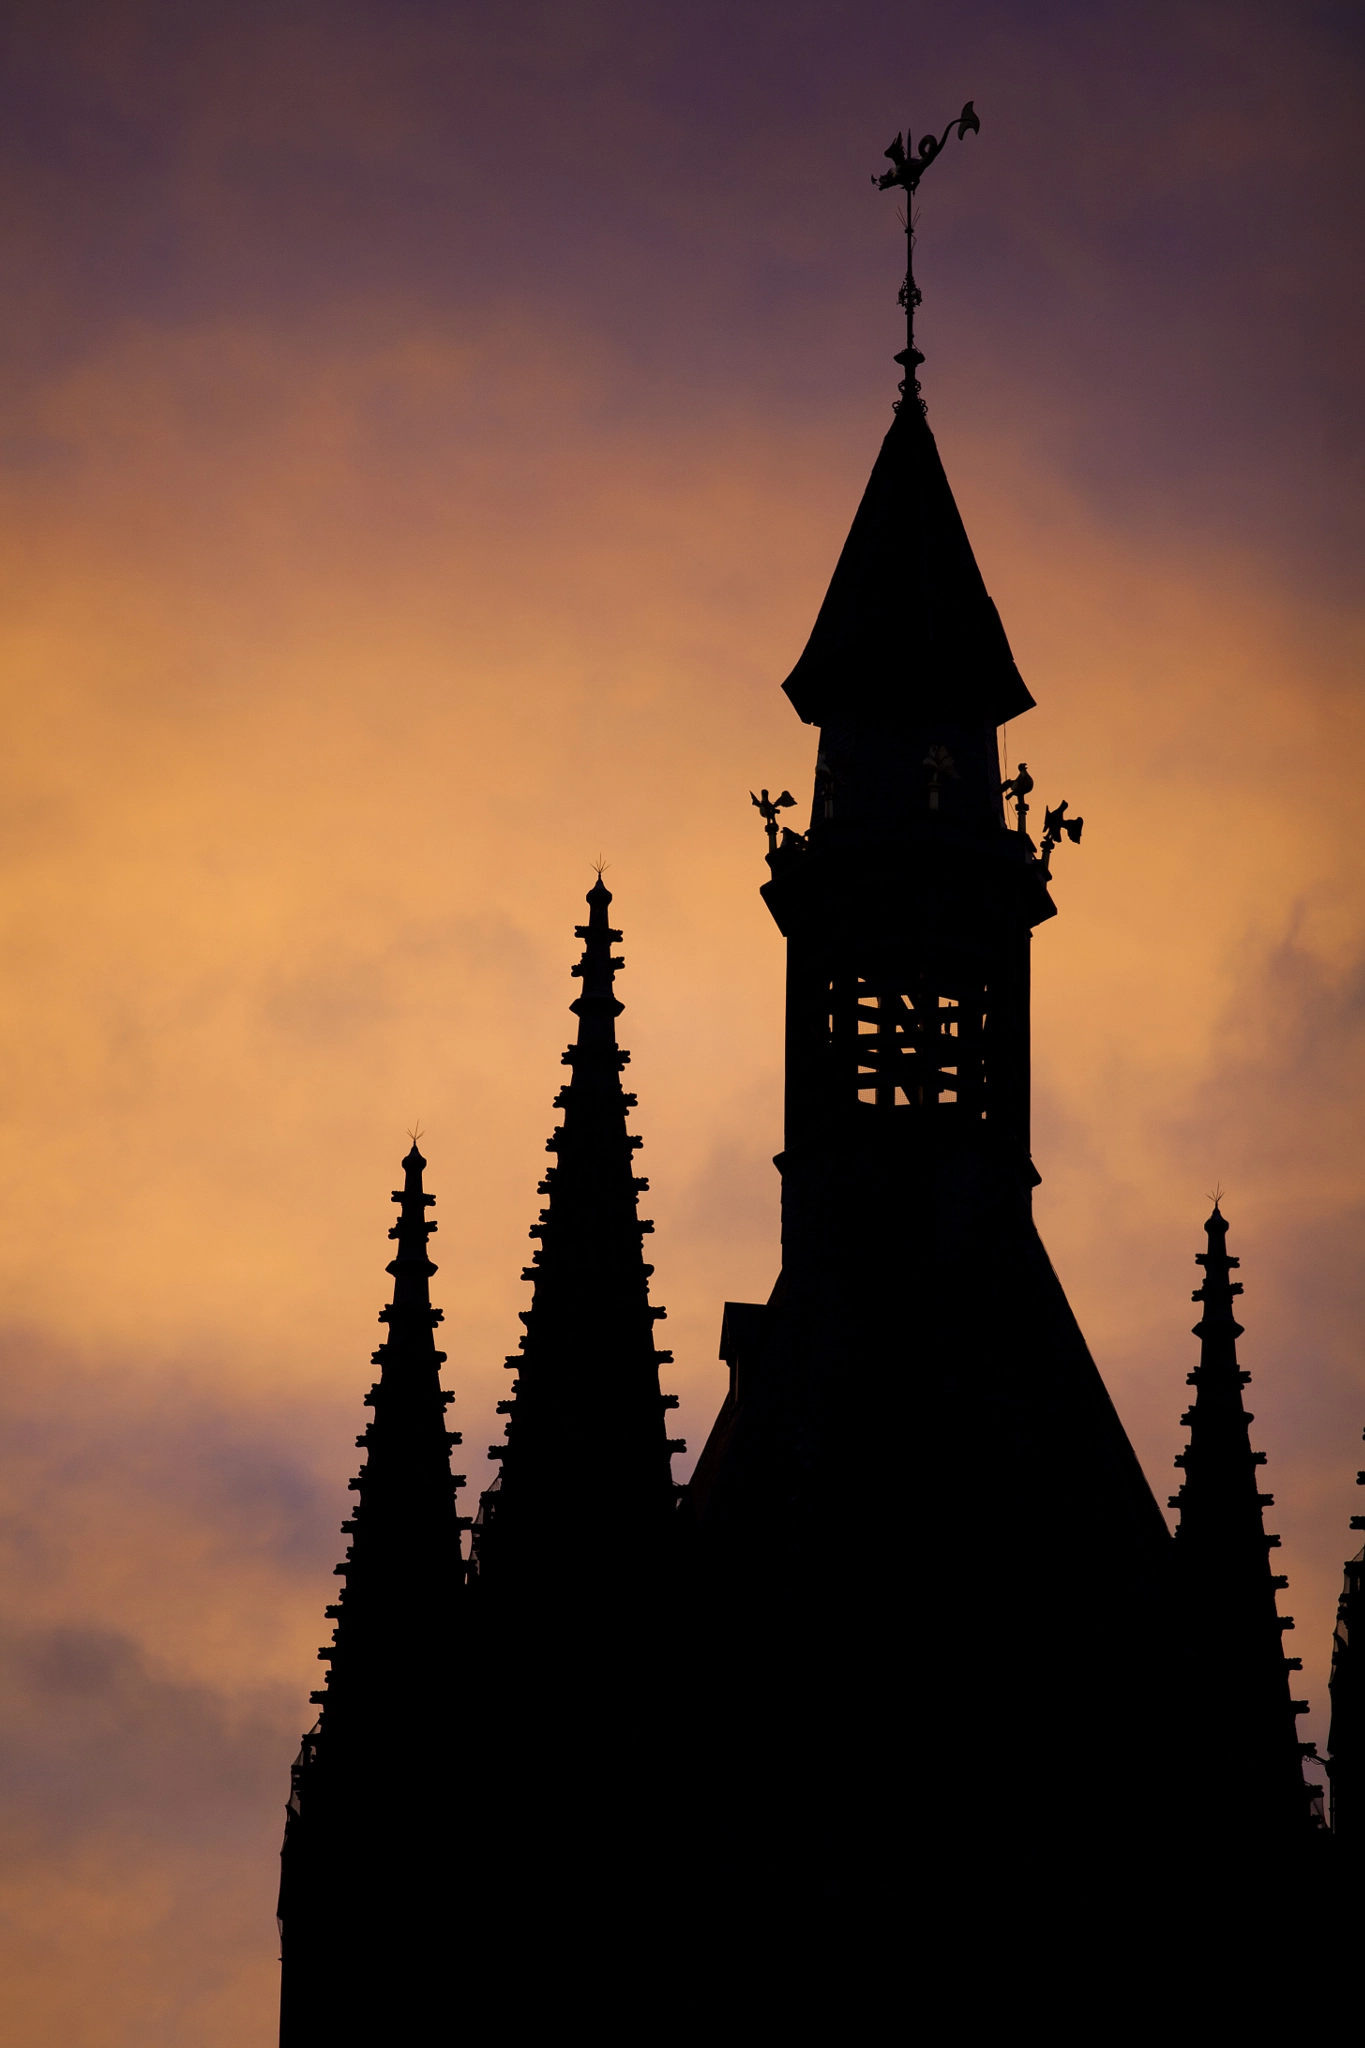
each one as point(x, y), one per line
point(574, 1544)
point(1252, 1784)
point(369, 1793)
point(585, 1416)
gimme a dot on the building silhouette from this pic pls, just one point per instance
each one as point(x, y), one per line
point(549, 1645)
point(918, 1600)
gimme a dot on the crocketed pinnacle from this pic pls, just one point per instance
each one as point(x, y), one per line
point(366, 1804)
point(585, 1418)
point(1237, 1665)
point(404, 1570)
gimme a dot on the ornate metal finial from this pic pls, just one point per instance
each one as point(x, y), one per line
point(1018, 788)
point(768, 808)
point(908, 170)
point(1055, 823)
point(908, 166)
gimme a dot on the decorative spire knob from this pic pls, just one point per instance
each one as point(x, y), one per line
point(597, 1008)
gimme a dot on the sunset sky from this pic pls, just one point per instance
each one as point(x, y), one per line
point(426, 433)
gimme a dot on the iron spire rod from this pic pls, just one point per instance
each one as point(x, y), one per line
point(906, 171)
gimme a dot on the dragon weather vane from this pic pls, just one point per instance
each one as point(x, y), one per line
point(906, 171)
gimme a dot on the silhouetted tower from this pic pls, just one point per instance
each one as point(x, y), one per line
point(1346, 1740)
point(918, 1485)
point(366, 1896)
point(1242, 1719)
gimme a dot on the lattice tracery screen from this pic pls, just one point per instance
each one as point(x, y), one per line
point(910, 1049)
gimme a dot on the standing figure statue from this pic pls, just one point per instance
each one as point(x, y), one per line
point(1018, 788)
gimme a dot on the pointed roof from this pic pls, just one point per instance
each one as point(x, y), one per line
point(585, 1416)
point(907, 628)
point(1236, 1661)
point(403, 1568)
point(365, 1793)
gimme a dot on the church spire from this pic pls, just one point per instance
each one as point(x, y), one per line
point(907, 631)
point(575, 1542)
point(1236, 1665)
point(585, 1416)
point(369, 1795)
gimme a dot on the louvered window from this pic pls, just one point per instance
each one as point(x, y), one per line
point(910, 1048)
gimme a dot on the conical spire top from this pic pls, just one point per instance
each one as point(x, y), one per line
point(907, 634)
point(907, 631)
point(364, 1807)
point(411, 1268)
point(1218, 1288)
point(597, 1008)
point(1219, 1503)
point(406, 1555)
point(586, 1400)
point(1235, 1662)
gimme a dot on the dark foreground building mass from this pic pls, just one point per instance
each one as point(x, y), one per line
point(917, 1631)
